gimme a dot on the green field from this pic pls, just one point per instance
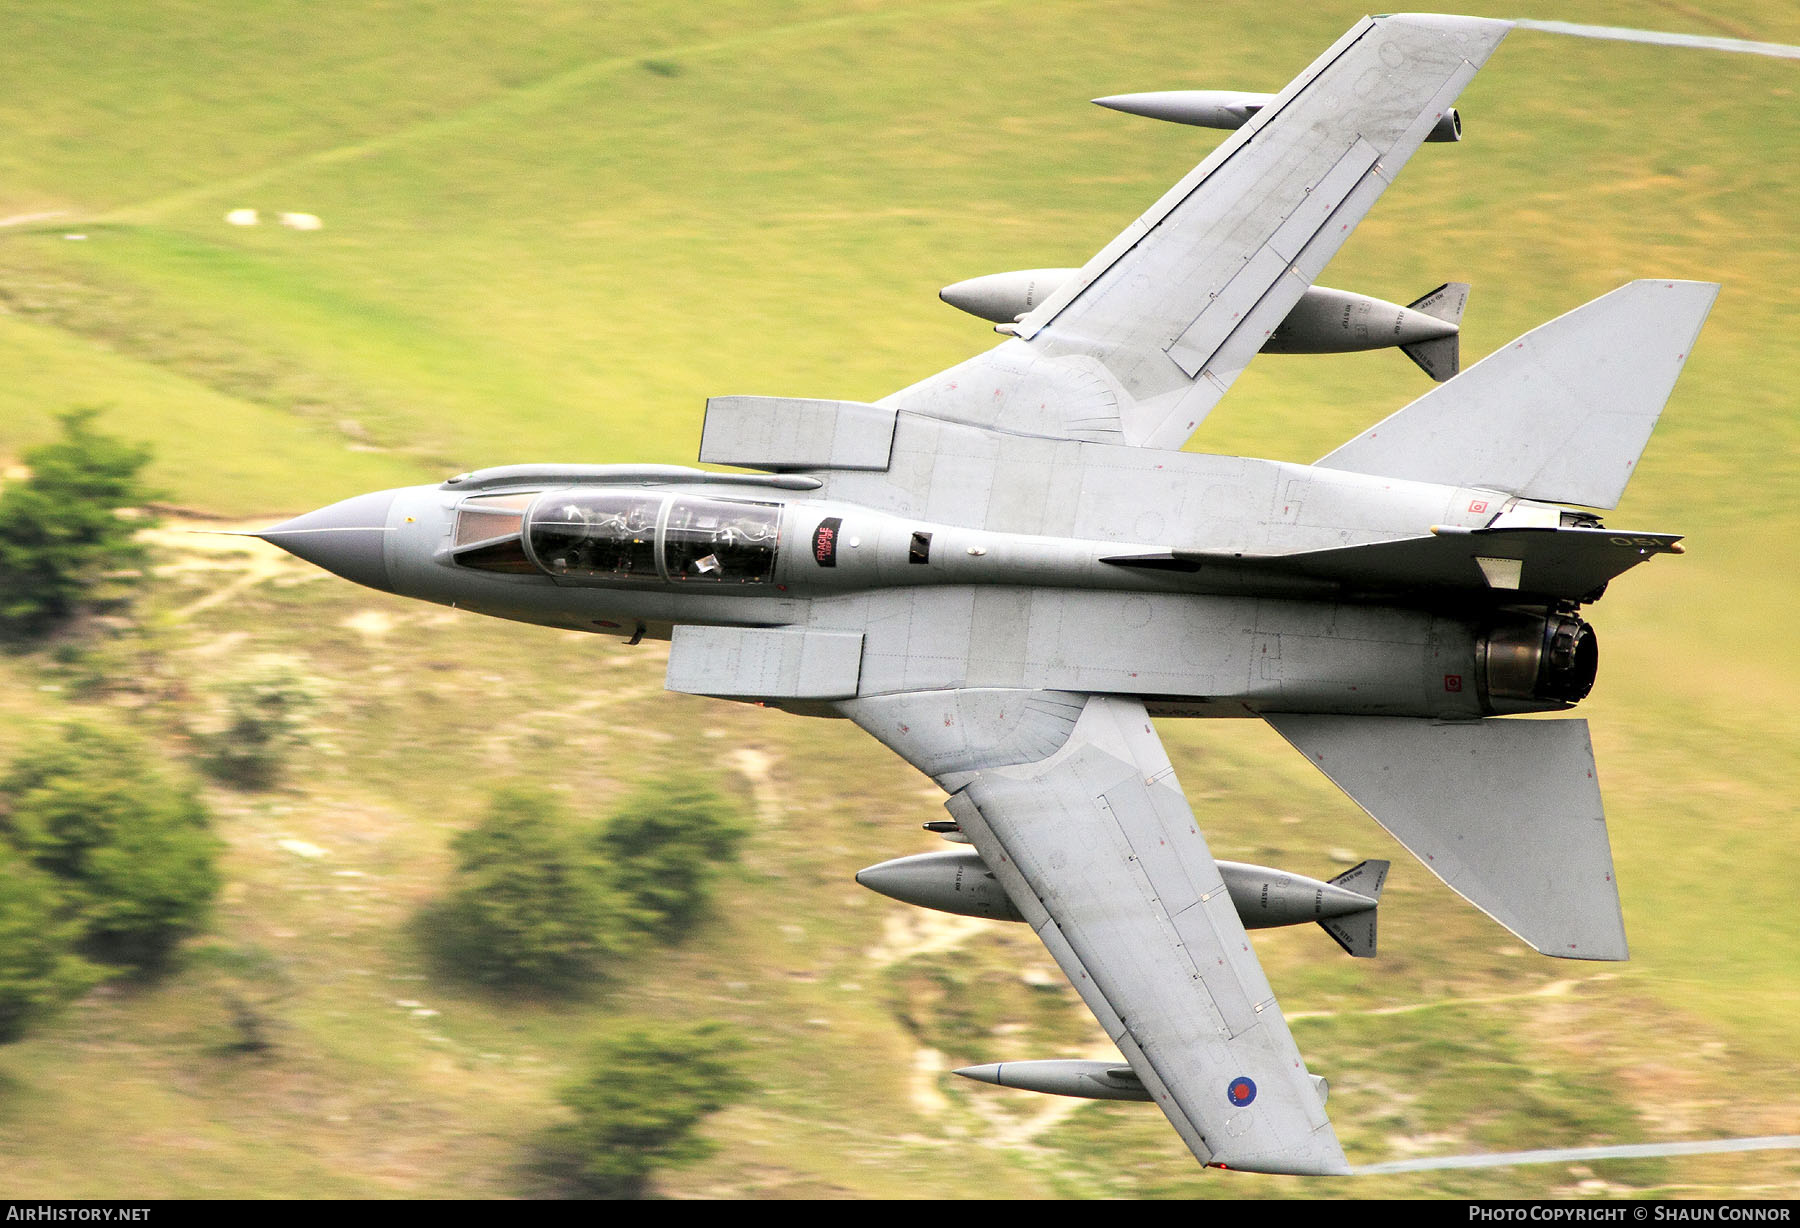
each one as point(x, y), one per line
point(550, 230)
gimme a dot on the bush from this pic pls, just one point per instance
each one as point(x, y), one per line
point(133, 855)
point(60, 532)
point(538, 903)
point(665, 844)
point(250, 984)
point(260, 718)
point(639, 1109)
point(528, 908)
point(38, 968)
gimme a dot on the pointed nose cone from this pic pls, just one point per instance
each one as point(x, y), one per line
point(348, 539)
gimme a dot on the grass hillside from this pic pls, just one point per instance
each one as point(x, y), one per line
point(549, 231)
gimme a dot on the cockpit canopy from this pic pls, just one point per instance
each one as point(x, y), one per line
point(609, 536)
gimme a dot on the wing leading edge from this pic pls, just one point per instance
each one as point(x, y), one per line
point(1143, 342)
point(1099, 850)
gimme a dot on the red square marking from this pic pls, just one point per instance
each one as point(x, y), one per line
point(1453, 682)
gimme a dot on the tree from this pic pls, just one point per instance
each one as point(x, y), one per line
point(665, 844)
point(39, 970)
point(538, 903)
point(60, 532)
point(640, 1108)
point(528, 907)
point(261, 716)
point(134, 855)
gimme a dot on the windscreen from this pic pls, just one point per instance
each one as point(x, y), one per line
point(488, 530)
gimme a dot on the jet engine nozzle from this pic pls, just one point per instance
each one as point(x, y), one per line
point(1536, 662)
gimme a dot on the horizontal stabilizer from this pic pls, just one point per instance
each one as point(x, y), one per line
point(1506, 812)
point(1561, 414)
point(1570, 564)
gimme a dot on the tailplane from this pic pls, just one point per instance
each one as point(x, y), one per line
point(1507, 812)
point(1561, 414)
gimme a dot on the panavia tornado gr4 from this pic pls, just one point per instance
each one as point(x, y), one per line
point(1005, 571)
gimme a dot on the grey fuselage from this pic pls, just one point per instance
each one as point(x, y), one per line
point(980, 560)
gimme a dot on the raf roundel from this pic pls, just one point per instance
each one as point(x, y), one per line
point(1241, 1091)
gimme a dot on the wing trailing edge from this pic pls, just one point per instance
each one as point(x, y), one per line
point(1510, 563)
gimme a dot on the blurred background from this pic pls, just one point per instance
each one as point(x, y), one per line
point(296, 252)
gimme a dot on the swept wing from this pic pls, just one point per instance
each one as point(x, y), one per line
point(1097, 847)
point(1071, 800)
point(1142, 343)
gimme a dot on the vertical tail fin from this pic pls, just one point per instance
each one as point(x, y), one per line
point(1441, 357)
point(1560, 414)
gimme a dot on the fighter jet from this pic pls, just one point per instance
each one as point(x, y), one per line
point(1005, 571)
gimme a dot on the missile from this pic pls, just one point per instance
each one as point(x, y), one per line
point(1089, 1080)
point(1230, 109)
point(1073, 1077)
point(1324, 321)
point(958, 881)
